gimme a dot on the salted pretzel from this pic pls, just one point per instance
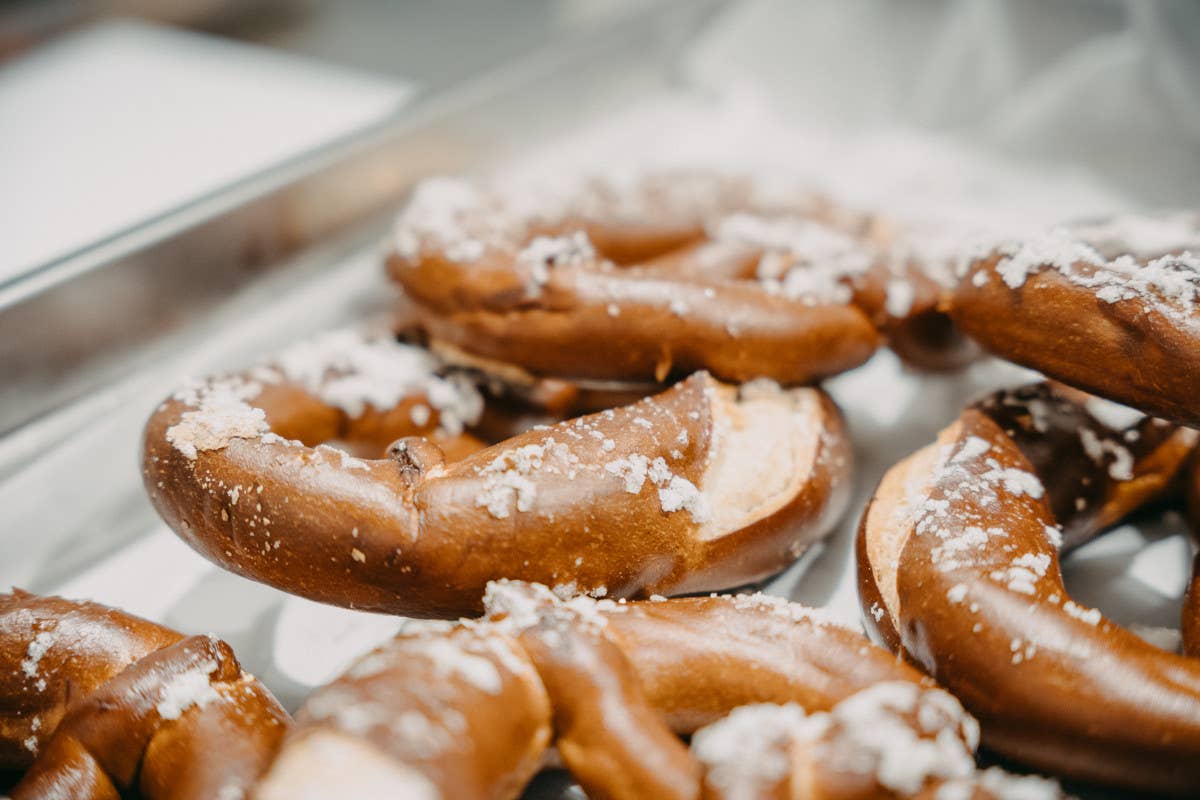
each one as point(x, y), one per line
point(644, 277)
point(463, 710)
point(95, 703)
point(1109, 307)
point(890, 740)
point(701, 487)
point(467, 710)
point(958, 561)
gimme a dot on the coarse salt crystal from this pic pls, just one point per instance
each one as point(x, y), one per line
point(682, 494)
point(632, 469)
point(37, 648)
point(187, 689)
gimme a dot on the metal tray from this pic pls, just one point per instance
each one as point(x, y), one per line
point(299, 251)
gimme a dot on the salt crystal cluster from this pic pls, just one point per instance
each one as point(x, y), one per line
point(900, 735)
point(1151, 259)
point(352, 370)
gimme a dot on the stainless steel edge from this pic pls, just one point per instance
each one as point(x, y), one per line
point(92, 317)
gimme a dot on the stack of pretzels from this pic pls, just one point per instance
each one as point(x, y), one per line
point(602, 394)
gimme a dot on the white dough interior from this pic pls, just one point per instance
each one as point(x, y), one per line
point(305, 770)
point(765, 446)
point(890, 521)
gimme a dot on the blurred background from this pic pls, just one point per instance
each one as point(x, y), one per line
point(185, 186)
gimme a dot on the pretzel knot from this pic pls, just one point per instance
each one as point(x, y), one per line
point(657, 275)
point(103, 704)
point(701, 487)
point(467, 710)
point(959, 568)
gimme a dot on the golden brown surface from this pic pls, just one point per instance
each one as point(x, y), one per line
point(1111, 316)
point(604, 677)
point(127, 706)
point(468, 710)
point(960, 546)
point(702, 487)
point(661, 275)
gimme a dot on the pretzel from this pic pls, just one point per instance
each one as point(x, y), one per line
point(1108, 307)
point(95, 702)
point(638, 278)
point(466, 710)
point(702, 487)
point(958, 560)
point(891, 740)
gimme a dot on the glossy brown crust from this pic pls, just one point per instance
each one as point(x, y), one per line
point(573, 334)
point(294, 413)
point(245, 726)
point(929, 340)
point(460, 710)
point(650, 302)
point(535, 399)
point(667, 273)
point(615, 744)
point(921, 331)
point(82, 646)
point(1054, 684)
point(1127, 351)
point(1044, 422)
point(1049, 424)
point(420, 536)
point(125, 730)
point(130, 706)
point(439, 713)
point(693, 655)
point(467, 710)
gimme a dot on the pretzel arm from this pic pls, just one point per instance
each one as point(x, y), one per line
point(692, 656)
point(612, 740)
point(53, 652)
point(960, 540)
point(444, 711)
point(890, 740)
point(168, 712)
